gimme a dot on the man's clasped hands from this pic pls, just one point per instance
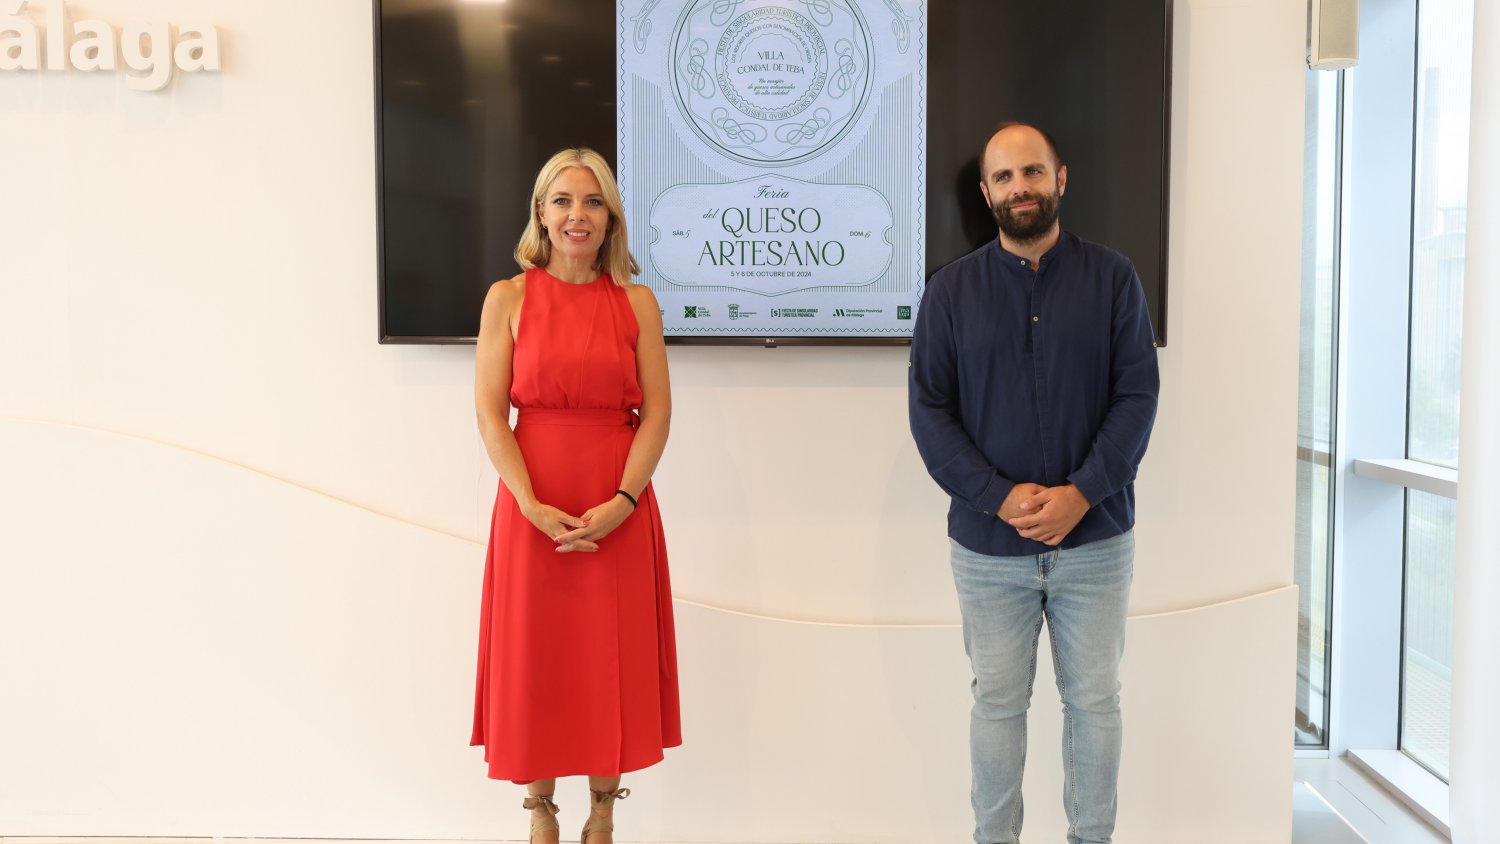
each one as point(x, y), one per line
point(1045, 514)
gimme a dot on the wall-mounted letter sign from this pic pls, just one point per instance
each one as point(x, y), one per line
point(148, 50)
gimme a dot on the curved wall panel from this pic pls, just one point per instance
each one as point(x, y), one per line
point(284, 664)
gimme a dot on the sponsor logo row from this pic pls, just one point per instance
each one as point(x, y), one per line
point(736, 312)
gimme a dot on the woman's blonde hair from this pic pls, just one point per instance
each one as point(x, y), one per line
point(535, 250)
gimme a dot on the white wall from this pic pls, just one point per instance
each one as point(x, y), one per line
point(240, 546)
point(1476, 627)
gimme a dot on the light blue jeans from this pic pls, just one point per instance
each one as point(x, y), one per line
point(1083, 594)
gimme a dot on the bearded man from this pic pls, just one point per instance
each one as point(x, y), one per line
point(1033, 389)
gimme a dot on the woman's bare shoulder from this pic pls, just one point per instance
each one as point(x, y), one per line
point(645, 307)
point(513, 286)
point(640, 295)
point(503, 299)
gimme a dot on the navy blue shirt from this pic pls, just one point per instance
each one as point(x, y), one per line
point(1033, 375)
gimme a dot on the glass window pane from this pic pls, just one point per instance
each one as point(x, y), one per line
point(1439, 208)
point(1315, 404)
point(1439, 205)
point(1427, 637)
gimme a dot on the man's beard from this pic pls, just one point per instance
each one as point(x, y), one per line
point(1027, 227)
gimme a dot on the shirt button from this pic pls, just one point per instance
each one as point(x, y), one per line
point(1036, 319)
point(1023, 262)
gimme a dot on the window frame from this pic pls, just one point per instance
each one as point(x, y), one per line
point(1376, 255)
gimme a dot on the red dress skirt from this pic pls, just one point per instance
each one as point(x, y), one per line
point(577, 660)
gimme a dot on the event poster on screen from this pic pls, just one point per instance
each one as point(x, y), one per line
point(771, 156)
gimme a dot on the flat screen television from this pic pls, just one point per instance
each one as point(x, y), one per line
point(472, 96)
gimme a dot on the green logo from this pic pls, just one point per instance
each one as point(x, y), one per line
point(689, 311)
point(903, 312)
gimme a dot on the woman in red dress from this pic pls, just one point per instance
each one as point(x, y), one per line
point(577, 662)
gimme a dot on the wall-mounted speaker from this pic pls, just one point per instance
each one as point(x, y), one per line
point(1332, 34)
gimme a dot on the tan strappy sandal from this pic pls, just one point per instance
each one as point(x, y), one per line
point(602, 824)
point(546, 819)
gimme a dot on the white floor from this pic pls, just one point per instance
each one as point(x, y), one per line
point(1333, 803)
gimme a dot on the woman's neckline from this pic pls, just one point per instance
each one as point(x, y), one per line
point(594, 280)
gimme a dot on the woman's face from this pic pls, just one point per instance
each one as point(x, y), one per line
point(574, 215)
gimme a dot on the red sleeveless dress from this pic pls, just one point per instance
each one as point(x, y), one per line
point(577, 657)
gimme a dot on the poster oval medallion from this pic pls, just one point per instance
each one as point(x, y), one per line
point(771, 83)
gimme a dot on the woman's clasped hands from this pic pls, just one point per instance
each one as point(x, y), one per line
point(579, 533)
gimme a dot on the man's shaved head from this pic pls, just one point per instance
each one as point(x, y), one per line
point(1010, 125)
